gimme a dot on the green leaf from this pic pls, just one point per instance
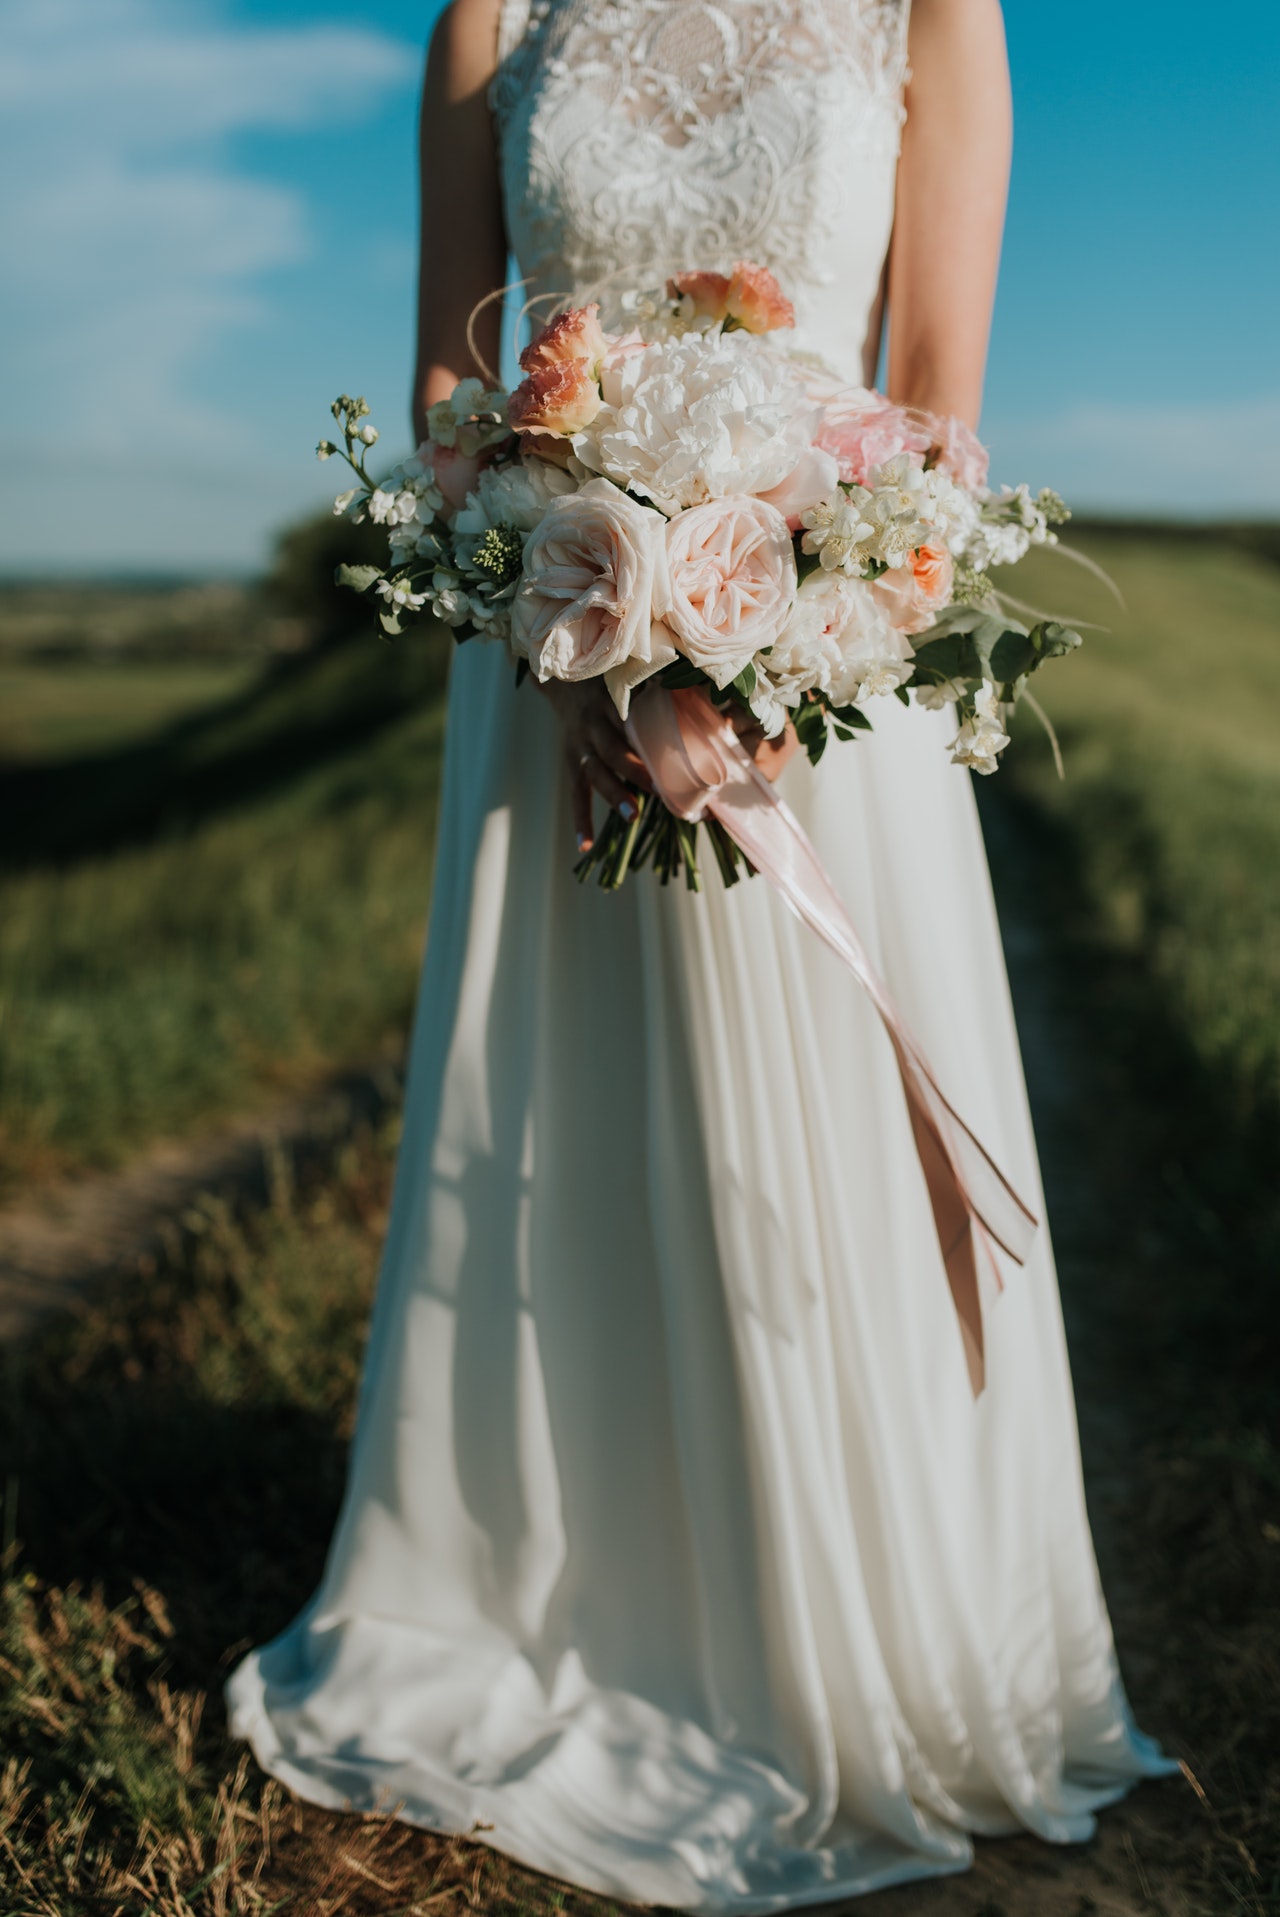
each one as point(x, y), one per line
point(1053, 641)
point(852, 716)
point(901, 694)
point(359, 578)
point(745, 683)
point(681, 673)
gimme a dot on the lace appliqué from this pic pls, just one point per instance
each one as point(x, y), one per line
point(642, 136)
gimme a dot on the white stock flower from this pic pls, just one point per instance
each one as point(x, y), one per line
point(953, 511)
point(344, 500)
point(401, 596)
point(934, 698)
point(696, 418)
point(392, 508)
point(982, 738)
point(898, 509)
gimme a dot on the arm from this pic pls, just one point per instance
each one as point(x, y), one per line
point(463, 253)
point(952, 183)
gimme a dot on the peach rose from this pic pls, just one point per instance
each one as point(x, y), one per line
point(756, 300)
point(731, 579)
point(708, 291)
point(594, 577)
point(561, 397)
point(573, 335)
point(914, 595)
point(813, 479)
point(862, 436)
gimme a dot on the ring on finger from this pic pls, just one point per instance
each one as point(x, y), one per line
point(585, 758)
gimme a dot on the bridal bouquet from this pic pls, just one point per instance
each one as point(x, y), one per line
point(687, 501)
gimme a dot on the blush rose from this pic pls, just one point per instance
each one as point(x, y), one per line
point(731, 580)
point(594, 579)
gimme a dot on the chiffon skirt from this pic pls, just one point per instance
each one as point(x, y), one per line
point(676, 1555)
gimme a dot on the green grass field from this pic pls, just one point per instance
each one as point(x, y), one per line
point(198, 912)
point(255, 874)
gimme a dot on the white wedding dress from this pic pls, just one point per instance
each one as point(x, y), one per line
point(676, 1555)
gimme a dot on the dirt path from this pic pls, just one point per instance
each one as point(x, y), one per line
point(77, 1231)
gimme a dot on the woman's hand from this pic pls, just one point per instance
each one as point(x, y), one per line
point(770, 755)
point(596, 752)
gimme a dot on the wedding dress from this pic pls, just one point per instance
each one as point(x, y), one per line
point(677, 1557)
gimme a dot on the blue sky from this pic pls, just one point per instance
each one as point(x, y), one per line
point(208, 228)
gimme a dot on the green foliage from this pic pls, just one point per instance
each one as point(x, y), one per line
point(230, 905)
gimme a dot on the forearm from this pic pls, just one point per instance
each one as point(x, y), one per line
point(463, 253)
point(952, 185)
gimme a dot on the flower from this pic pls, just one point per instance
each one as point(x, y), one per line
point(558, 397)
point(515, 495)
point(945, 693)
point(708, 294)
point(812, 480)
point(698, 417)
point(839, 532)
point(958, 451)
point(982, 737)
point(594, 577)
point(840, 641)
point(471, 419)
point(732, 577)
point(914, 594)
point(387, 508)
point(756, 301)
point(573, 337)
point(400, 595)
point(343, 501)
point(862, 432)
point(368, 435)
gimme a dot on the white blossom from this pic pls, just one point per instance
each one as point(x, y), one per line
point(839, 532)
point(401, 596)
point(982, 738)
point(934, 698)
point(343, 500)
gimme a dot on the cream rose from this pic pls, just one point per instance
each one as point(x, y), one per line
point(593, 590)
point(732, 579)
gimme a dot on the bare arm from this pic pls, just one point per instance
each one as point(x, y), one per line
point(952, 183)
point(463, 242)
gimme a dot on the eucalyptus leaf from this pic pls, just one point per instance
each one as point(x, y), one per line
point(358, 578)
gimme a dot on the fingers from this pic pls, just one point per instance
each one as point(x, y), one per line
point(609, 738)
point(613, 789)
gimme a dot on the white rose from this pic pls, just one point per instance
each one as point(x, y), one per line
point(594, 587)
point(841, 641)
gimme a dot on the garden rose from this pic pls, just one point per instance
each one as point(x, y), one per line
point(756, 301)
point(862, 436)
point(709, 293)
point(839, 638)
point(559, 397)
point(594, 578)
point(731, 580)
point(573, 336)
point(913, 595)
point(811, 480)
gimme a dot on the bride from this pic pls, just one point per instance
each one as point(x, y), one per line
point(677, 1558)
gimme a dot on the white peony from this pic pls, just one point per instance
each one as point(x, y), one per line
point(515, 495)
point(981, 739)
point(700, 417)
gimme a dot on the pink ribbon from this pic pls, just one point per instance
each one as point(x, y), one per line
point(699, 765)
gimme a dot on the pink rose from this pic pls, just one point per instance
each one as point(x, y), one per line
point(913, 595)
point(756, 300)
point(560, 397)
point(863, 435)
point(573, 335)
point(958, 451)
point(732, 577)
point(708, 291)
point(593, 569)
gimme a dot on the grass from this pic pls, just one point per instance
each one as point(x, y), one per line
point(1156, 868)
point(179, 1453)
point(192, 920)
point(178, 1465)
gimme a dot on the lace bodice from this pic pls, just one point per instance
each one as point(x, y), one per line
point(640, 137)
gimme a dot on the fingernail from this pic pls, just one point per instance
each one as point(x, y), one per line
point(627, 810)
point(584, 843)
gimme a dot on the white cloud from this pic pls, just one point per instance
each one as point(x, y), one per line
point(1196, 459)
point(132, 240)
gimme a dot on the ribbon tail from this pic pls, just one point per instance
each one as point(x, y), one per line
point(698, 766)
